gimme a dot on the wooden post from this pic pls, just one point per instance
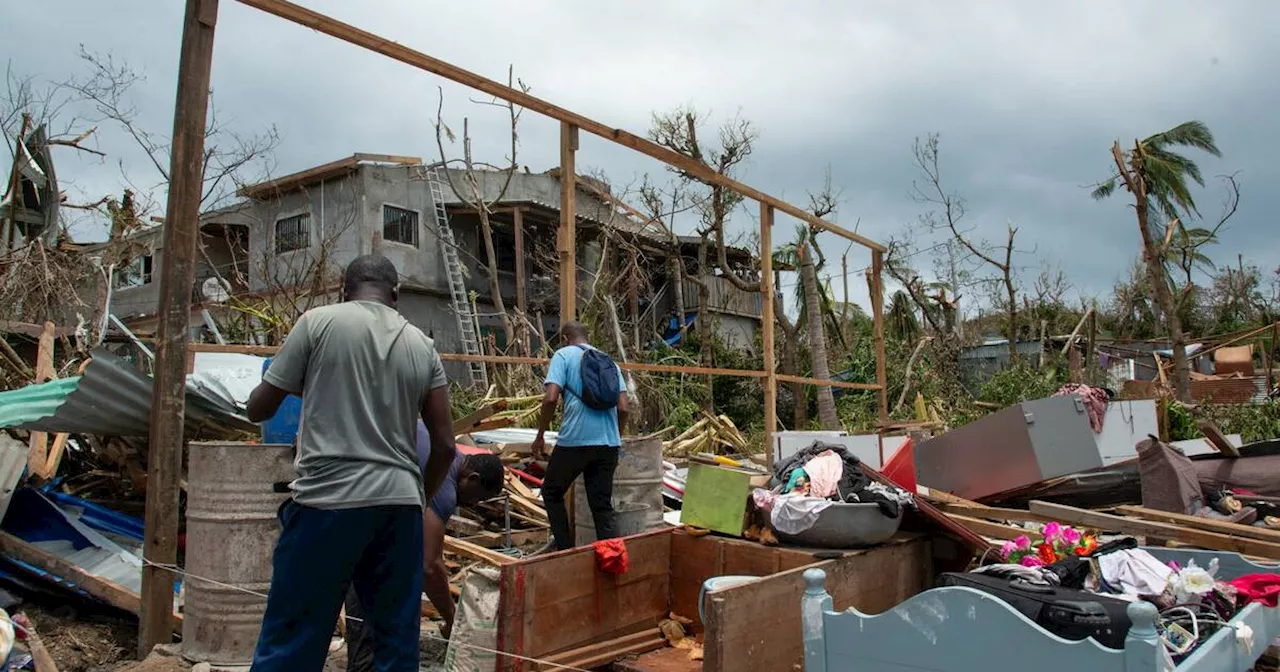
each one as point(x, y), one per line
point(1091, 351)
point(766, 330)
point(522, 301)
point(877, 312)
point(568, 237)
point(38, 442)
point(168, 400)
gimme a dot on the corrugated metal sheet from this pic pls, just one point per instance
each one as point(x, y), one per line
point(111, 399)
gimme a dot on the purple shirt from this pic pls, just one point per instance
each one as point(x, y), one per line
point(445, 502)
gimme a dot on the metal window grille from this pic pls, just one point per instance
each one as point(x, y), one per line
point(293, 233)
point(399, 225)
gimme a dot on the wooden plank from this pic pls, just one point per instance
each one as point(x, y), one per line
point(567, 235)
point(39, 654)
point(787, 378)
point(469, 550)
point(1145, 528)
point(696, 169)
point(1208, 524)
point(1215, 437)
point(177, 274)
point(518, 538)
point(601, 653)
point(993, 513)
point(110, 592)
point(464, 424)
point(522, 298)
point(877, 312)
point(996, 530)
point(767, 327)
point(38, 442)
point(753, 627)
point(234, 349)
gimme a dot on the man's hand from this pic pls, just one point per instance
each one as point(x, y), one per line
point(539, 447)
point(446, 629)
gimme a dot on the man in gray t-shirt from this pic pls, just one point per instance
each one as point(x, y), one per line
point(365, 376)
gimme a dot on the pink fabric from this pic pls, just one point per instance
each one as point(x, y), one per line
point(824, 472)
point(1264, 588)
point(1095, 400)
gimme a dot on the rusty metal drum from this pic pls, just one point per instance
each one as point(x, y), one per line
point(231, 533)
point(637, 492)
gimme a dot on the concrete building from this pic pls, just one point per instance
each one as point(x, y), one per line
point(293, 235)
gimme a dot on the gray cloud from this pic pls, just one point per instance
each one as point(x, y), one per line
point(1027, 97)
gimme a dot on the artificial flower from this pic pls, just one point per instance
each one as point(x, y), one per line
point(1046, 554)
point(1071, 536)
point(1031, 561)
point(1051, 531)
point(1191, 580)
point(1006, 551)
point(1023, 542)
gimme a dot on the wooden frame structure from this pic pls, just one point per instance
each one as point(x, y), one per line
point(181, 233)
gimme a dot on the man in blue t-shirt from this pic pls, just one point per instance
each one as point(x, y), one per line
point(471, 479)
point(588, 441)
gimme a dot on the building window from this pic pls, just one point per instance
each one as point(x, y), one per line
point(293, 233)
point(135, 274)
point(399, 225)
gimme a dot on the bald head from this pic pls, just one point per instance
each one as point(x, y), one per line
point(371, 277)
point(574, 332)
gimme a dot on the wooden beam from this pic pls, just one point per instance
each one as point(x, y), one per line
point(1145, 528)
point(110, 592)
point(766, 329)
point(522, 299)
point(476, 552)
point(877, 310)
point(348, 33)
point(596, 655)
point(567, 237)
point(786, 378)
point(995, 530)
point(993, 513)
point(1207, 524)
point(38, 442)
point(1215, 438)
point(168, 400)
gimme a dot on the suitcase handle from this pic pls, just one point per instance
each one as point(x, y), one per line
point(1020, 584)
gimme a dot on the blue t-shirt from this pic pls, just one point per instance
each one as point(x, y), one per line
point(582, 425)
point(445, 501)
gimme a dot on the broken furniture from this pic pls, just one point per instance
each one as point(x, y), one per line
point(559, 602)
point(1022, 445)
point(960, 630)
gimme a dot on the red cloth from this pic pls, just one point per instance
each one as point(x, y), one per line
point(611, 556)
point(1264, 588)
point(901, 468)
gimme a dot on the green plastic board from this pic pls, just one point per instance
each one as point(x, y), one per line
point(715, 498)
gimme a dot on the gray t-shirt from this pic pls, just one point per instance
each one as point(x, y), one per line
point(363, 373)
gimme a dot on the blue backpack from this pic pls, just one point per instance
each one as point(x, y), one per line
point(599, 380)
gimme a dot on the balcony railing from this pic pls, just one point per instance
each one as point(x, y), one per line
point(723, 298)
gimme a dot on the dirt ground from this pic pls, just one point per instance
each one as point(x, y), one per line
point(84, 645)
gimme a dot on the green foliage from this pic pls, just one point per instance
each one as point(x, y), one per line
point(1253, 422)
point(1020, 382)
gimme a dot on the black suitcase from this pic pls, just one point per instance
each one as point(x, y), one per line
point(1070, 614)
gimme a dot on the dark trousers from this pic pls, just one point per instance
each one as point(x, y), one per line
point(375, 550)
point(359, 642)
point(596, 464)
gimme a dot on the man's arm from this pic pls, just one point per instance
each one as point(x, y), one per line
point(550, 398)
point(623, 409)
point(435, 576)
point(285, 376)
point(264, 401)
point(439, 421)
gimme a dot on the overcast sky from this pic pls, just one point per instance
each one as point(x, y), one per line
point(1027, 97)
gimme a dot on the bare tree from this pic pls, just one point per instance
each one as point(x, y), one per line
point(950, 211)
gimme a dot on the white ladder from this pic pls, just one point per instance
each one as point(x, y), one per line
point(468, 328)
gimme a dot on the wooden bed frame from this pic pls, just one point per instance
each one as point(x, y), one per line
point(960, 630)
point(559, 602)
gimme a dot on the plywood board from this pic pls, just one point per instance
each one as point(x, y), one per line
point(757, 626)
point(560, 601)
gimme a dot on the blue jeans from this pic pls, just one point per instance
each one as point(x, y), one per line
point(378, 551)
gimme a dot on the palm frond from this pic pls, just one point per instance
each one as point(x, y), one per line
point(1105, 189)
point(1195, 134)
